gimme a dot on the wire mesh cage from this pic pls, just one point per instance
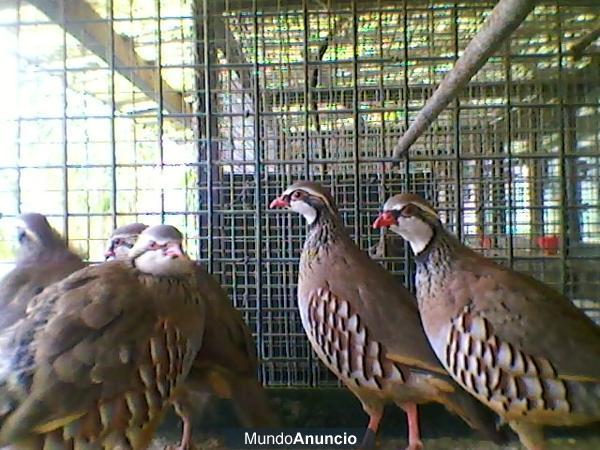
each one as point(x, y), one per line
point(199, 113)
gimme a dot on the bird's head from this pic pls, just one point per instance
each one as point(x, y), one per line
point(122, 239)
point(35, 234)
point(158, 251)
point(307, 198)
point(411, 217)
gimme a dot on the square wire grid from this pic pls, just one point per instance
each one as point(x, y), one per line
point(198, 113)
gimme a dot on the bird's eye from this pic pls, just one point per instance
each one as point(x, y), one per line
point(153, 245)
point(117, 243)
point(409, 210)
point(296, 195)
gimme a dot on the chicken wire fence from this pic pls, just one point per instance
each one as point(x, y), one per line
point(199, 113)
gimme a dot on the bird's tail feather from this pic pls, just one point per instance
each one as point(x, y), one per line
point(583, 397)
point(476, 415)
point(252, 404)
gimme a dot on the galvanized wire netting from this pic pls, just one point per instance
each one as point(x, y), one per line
point(199, 113)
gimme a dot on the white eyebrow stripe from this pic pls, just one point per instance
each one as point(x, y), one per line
point(308, 190)
point(393, 205)
point(400, 206)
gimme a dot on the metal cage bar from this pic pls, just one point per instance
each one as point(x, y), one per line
point(199, 113)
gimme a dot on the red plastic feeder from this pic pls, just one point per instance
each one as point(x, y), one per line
point(485, 241)
point(549, 244)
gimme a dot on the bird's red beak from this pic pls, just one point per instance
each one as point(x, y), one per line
point(279, 202)
point(385, 219)
point(109, 254)
point(174, 250)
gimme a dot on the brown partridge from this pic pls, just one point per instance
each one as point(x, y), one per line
point(364, 325)
point(43, 258)
point(520, 347)
point(98, 358)
point(122, 239)
point(227, 364)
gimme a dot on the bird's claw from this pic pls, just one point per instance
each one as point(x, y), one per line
point(415, 446)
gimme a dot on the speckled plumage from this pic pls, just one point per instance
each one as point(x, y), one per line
point(520, 347)
point(97, 359)
point(227, 364)
point(365, 326)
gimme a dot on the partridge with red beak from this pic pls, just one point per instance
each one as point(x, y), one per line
point(102, 353)
point(227, 363)
point(365, 326)
point(517, 345)
point(122, 240)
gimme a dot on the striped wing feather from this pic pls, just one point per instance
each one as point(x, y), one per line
point(346, 344)
point(535, 319)
point(94, 352)
point(382, 304)
point(519, 346)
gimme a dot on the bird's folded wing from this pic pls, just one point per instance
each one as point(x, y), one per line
point(228, 341)
point(84, 342)
point(385, 307)
point(27, 280)
point(531, 318)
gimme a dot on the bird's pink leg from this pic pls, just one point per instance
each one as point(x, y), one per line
point(414, 434)
point(186, 432)
point(368, 441)
point(531, 435)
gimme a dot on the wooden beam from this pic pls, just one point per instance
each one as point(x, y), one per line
point(94, 32)
point(506, 16)
point(579, 47)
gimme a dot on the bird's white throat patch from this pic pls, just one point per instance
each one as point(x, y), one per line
point(155, 262)
point(415, 231)
point(307, 211)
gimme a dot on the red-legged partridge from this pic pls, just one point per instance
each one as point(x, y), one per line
point(122, 239)
point(365, 326)
point(99, 357)
point(520, 347)
point(43, 258)
point(227, 364)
